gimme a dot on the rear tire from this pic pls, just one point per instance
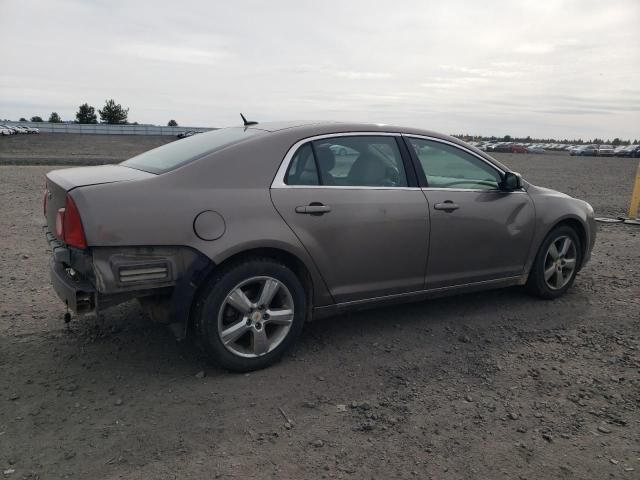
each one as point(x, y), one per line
point(556, 264)
point(249, 314)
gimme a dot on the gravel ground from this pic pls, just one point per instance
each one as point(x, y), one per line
point(489, 385)
point(74, 149)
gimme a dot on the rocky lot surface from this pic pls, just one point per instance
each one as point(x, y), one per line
point(490, 385)
point(75, 149)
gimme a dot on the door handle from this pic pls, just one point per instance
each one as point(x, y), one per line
point(314, 208)
point(447, 206)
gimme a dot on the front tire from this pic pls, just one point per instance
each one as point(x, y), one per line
point(556, 264)
point(250, 314)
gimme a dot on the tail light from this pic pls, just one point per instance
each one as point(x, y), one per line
point(69, 225)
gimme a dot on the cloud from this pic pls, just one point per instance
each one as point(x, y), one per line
point(364, 75)
point(521, 67)
point(497, 71)
point(575, 111)
point(535, 48)
point(173, 54)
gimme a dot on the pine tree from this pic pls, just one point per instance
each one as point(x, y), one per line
point(86, 114)
point(113, 113)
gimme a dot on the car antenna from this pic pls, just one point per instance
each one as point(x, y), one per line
point(248, 123)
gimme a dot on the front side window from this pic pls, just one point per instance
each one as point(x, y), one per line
point(446, 166)
point(348, 161)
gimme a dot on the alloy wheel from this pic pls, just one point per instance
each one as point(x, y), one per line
point(255, 316)
point(560, 262)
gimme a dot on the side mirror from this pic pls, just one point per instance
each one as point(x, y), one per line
point(511, 181)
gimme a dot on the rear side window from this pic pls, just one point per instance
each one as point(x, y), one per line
point(179, 152)
point(348, 161)
point(302, 170)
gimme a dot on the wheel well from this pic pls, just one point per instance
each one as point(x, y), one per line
point(580, 231)
point(282, 256)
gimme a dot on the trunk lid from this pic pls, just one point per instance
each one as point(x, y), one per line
point(61, 182)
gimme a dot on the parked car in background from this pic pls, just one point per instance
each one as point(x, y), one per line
point(242, 234)
point(632, 151)
point(186, 134)
point(518, 148)
point(31, 129)
point(619, 149)
point(628, 151)
point(585, 151)
point(504, 147)
point(605, 151)
point(535, 149)
point(10, 129)
point(5, 131)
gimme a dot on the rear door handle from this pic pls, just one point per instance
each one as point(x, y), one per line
point(447, 206)
point(313, 209)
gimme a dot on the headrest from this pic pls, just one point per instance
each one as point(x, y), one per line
point(326, 159)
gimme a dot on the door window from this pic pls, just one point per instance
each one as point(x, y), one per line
point(350, 161)
point(302, 170)
point(446, 166)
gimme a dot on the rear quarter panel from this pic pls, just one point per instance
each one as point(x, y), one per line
point(161, 210)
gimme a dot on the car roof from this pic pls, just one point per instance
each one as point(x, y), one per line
point(312, 128)
point(294, 131)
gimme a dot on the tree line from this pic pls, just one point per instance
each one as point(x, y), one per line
point(112, 113)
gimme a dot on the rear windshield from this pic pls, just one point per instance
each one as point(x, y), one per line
point(179, 152)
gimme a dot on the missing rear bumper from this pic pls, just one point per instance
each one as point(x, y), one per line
point(77, 293)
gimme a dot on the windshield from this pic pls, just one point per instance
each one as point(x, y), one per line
point(179, 152)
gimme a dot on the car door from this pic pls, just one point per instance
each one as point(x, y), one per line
point(478, 232)
point(354, 203)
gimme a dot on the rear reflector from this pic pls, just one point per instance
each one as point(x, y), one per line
point(60, 224)
point(69, 226)
point(144, 273)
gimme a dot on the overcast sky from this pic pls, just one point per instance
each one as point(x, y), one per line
point(559, 68)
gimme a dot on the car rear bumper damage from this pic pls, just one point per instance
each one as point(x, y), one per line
point(102, 277)
point(77, 293)
point(74, 289)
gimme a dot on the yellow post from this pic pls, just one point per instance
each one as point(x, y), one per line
point(635, 197)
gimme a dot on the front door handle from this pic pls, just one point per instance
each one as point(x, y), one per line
point(314, 208)
point(447, 206)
